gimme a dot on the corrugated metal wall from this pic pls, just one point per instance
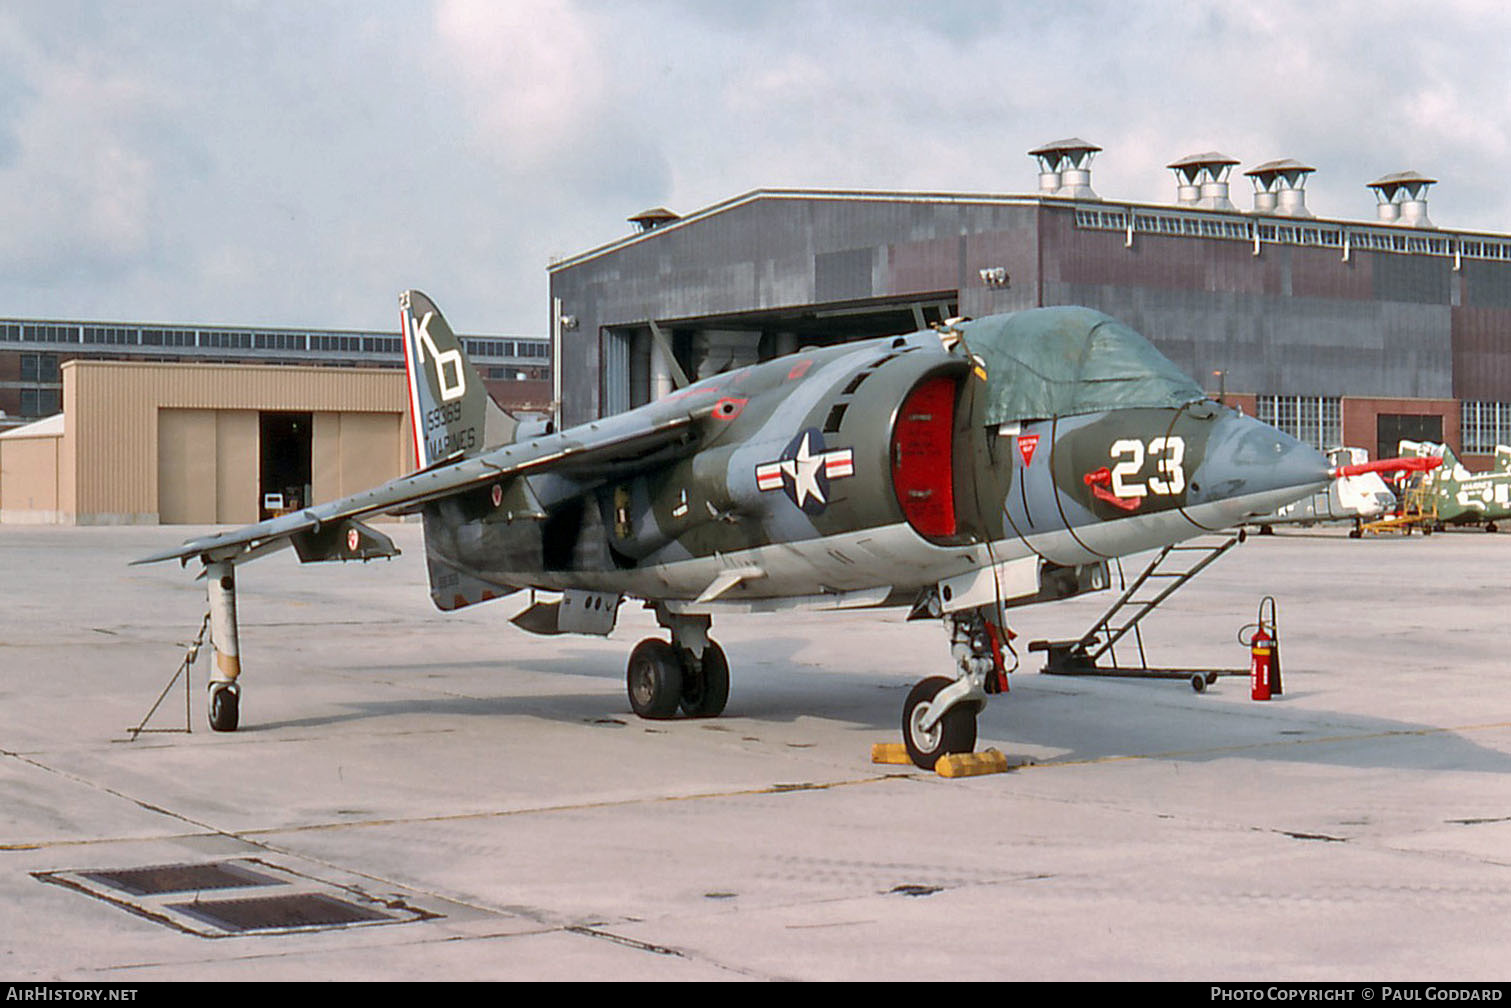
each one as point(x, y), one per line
point(782, 251)
point(1276, 319)
point(29, 473)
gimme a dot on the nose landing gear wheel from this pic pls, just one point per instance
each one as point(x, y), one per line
point(953, 733)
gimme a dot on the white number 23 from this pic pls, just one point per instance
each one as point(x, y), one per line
point(1169, 454)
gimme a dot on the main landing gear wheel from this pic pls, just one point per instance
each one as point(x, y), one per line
point(225, 708)
point(953, 733)
point(654, 679)
point(705, 690)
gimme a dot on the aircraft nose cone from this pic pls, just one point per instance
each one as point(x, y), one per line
point(1252, 468)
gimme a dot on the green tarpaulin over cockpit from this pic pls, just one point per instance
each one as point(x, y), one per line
point(1062, 361)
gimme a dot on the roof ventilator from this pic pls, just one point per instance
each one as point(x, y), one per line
point(1202, 180)
point(1280, 188)
point(1065, 168)
point(1402, 198)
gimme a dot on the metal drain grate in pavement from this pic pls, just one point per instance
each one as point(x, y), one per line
point(183, 878)
point(279, 913)
point(246, 896)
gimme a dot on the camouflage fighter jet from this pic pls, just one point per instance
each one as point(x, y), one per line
point(963, 470)
point(1459, 496)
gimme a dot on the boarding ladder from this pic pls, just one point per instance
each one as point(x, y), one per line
point(1171, 570)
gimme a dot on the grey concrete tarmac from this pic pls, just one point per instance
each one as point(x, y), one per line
point(494, 789)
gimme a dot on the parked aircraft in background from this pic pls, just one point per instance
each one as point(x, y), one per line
point(1458, 496)
point(963, 470)
point(1359, 493)
point(1357, 498)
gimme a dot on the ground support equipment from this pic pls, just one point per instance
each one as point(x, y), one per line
point(1161, 579)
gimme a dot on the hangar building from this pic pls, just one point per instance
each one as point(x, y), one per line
point(148, 443)
point(1339, 331)
point(213, 424)
point(32, 352)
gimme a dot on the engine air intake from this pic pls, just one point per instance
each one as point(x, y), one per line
point(923, 458)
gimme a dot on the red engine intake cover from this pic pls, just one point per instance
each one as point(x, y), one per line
point(923, 457)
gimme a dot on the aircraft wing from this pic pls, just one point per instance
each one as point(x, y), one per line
point(595, 451)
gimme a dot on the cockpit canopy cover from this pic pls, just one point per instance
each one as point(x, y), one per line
point(1048, 362)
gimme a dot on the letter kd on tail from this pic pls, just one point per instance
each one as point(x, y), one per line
point(454, 385)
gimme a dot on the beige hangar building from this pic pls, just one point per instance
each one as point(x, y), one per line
point(105, 423)
point(145, 442)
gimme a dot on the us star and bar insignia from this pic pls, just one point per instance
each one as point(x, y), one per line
point(805, 469)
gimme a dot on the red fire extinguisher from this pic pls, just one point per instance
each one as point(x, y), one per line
point(1264, 653)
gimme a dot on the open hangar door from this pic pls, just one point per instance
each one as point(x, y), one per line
point(231, 466)
point(241, 466)
point(633, 369)
point(285, 451)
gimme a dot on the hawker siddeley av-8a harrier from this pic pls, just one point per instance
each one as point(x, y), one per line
point(961, 470)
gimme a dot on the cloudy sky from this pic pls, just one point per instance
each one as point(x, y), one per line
point(298, 164)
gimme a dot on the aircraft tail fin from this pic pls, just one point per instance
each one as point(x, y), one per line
point(449, 407)
point(1452, 466)
point(1451, 469)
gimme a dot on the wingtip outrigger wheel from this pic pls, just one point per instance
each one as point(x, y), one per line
point(225, 706)
point(225, 693)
